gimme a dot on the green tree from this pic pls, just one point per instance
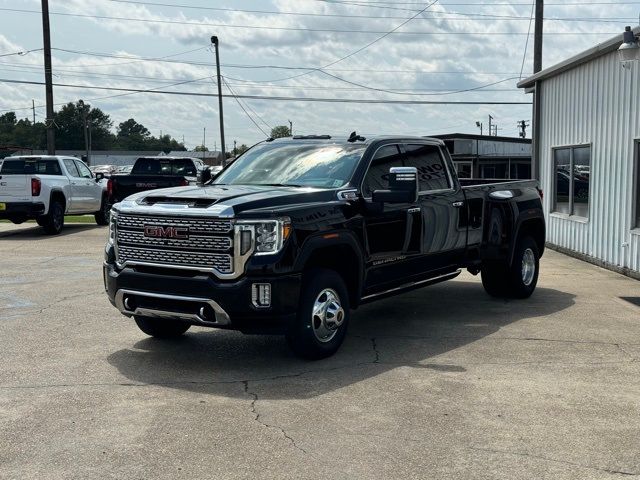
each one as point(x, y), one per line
point(280, 131)
point(201, 148)
point(132, 135)
point(69, 124)
point(241, 149)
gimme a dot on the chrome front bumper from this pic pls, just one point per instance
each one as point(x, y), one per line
point(198, 314)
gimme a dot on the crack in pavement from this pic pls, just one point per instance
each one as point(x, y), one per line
point(548, 459)
point(375, 350)
point(257, 417)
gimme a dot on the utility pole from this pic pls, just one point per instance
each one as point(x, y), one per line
point(204, 140)
point(85, 128)
point(33, 107)
point(215, 42)
point(234, 148)
point(479, 125)
point(46, 37)
point(490, 127)
point(522, 125)
point(537, 66)
point(537, 36)
point(290, 128)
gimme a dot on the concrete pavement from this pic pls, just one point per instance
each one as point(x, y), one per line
point(441, 383)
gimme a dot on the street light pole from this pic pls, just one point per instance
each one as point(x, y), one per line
point(46, 37)
point(215, 42)
point(85, 128)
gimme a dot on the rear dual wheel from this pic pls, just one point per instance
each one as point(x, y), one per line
point(518, 280)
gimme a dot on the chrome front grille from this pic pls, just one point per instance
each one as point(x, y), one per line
point(208, 245)
point(195, 242)
point(196, 225)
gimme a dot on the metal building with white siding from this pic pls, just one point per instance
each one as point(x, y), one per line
point(587, 149)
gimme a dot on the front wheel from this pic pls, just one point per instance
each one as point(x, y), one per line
point(323, 315)
point(161, 327)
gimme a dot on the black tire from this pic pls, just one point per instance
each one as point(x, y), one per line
point(161, 327)
point(102, 215)
point(306, 334)
point(524, 283)
point(502, 280)
point(42, 220)
point(495, 279)
point(53, 221)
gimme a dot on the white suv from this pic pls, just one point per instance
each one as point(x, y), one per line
point(46, 188)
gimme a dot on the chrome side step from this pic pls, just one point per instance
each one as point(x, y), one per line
point(410, 286)
point(125, 298)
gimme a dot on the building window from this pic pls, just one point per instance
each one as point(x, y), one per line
point(464, 169)
point(572, 177)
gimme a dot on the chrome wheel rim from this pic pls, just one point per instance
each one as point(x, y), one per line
point(528, 266)
point(327, 315)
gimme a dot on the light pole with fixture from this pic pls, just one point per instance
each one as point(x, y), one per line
point(479, 125)
point(629, 51)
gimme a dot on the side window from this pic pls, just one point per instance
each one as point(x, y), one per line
point(71, 167)
point(84, 170)
point(432, 174)
point(572, 178)
point(377, 177)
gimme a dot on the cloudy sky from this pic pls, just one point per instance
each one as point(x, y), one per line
point(452, 51)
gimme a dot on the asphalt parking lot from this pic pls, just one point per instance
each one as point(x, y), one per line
point(440, 383)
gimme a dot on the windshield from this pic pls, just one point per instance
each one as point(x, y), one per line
point(309, 165)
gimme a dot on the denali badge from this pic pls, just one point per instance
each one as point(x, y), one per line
point(157, 231)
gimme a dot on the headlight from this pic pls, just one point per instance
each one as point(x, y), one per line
point(113, 218)
point(269, 235)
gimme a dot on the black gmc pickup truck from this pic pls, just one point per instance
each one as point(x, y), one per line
point(298, 232)
point(149, 173)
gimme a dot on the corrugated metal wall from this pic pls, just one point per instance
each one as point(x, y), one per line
point(597, 103)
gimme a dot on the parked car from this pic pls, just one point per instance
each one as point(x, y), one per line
point(46, 188)
point(150, 173)
point(106, 170)
point(299, 231)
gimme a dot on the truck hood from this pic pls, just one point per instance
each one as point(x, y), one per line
point(222, 200)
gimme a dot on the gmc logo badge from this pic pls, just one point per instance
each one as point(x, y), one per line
point(157, 231)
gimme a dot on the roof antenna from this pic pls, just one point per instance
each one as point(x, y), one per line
point(354, 137)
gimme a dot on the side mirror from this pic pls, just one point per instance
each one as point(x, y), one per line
point(203, 176)
point(99, 176)
point(403, 186)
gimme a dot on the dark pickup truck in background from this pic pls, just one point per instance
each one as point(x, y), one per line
point(150, 173)
point(299, 231)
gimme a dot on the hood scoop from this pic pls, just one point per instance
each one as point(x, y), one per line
point(189, 202)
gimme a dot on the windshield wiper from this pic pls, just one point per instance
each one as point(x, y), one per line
point(279, 184)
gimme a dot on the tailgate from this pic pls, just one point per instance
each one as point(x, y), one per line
point(15, 188)
point(126, 185)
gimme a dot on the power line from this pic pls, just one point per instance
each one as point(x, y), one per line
point(297, 29)
point(473, 16)
point(21, 53)
point(255, 97)
point(243, 109)
point(526, 44)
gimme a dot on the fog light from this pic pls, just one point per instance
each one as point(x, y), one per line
point(261, 295)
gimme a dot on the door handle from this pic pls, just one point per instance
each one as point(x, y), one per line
point(458, 204)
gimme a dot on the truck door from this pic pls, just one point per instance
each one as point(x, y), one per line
point(442, 205)
point(392, 231)
point(91, 191)
point(74, 192)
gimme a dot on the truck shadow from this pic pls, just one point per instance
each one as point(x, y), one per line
point(37, 233)
point(420, 329)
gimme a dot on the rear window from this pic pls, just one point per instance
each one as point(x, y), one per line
point(155, 166)
point(28, 166)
